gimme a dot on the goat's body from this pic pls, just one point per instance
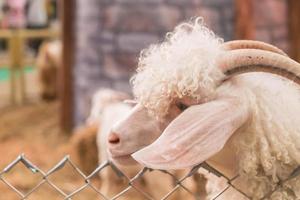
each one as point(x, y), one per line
point(84, 147)
point(268, 145)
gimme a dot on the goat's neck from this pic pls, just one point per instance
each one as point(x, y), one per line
point(225, 161)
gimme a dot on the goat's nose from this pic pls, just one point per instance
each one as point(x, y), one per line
point(113, 138)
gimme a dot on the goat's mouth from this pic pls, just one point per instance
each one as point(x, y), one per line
point(121, 158)
point(124, 160)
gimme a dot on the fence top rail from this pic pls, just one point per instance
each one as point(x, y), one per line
point(29, 34)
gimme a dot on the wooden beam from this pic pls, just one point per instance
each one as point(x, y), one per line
point(244, 25)
point(68, 21)
point(294, 28)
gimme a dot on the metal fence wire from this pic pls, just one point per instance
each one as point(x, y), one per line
point(178, 183)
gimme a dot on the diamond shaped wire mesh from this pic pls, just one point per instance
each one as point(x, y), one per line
point(88, 184)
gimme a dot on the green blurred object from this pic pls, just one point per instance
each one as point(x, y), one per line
point(5, 72)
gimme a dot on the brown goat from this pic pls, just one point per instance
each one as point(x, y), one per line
point(48, 63)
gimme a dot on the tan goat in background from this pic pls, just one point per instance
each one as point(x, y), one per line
point(48, 63)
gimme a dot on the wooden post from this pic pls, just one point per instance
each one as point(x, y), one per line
point(294, 28)
point(21, 67)
point(12, 49)
point(244, 27)
point(67, 9)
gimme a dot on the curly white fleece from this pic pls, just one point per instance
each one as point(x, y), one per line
point(183, 65)
point(268, 146)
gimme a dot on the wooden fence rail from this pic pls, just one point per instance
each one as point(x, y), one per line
point(16, 39)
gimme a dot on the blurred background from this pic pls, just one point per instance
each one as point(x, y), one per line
point(55, 54)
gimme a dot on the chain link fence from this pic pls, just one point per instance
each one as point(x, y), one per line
point(87, 179)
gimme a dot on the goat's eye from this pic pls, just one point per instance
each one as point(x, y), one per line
point(181, 106)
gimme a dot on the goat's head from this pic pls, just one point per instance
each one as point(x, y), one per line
point(180, 119)
point(101, 99)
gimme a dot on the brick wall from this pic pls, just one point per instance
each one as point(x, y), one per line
point(111, 33)
point(271, 21)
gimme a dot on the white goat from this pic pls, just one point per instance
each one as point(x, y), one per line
point(195, 105)
point(84, 139)
point(101, 99)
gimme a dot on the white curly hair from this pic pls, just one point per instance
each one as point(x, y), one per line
point(192, 50)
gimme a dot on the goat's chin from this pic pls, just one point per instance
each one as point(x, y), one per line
point(124, 160)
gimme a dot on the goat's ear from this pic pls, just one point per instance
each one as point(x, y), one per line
point(195, 135)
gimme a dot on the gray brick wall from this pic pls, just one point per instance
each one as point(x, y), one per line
point(271, 21)
point(111, 33)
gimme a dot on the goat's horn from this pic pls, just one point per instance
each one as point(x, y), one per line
point(251, 44)
point(254, 60)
